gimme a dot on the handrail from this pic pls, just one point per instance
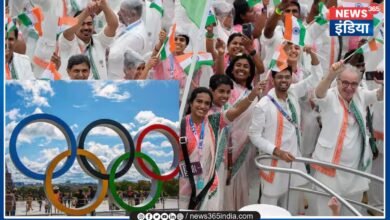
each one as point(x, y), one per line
point(306, 176)
point(339, 167)
point(302, 189)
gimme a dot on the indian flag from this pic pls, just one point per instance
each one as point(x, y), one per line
point(279, 60)
point(194, 10)
point(379, 17)
point(158, 5)
point(202, 59)
point(322, 17)
point(32, 18)
point(371, 46)
point(10, 26)
point(294, 30)
point(51, 73)
point(252, 3)
point(169, 46)
point(276, 3)
point(65, 23)
point(355, 3)
point(211, 19)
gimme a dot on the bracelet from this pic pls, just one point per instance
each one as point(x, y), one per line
point(249, 99)
point(278, 11)
point(252, 53)
point(209, 35)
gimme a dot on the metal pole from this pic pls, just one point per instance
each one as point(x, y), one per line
point(288, 189)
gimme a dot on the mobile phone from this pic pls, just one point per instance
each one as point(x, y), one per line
point(247, 29)
point(370, 75)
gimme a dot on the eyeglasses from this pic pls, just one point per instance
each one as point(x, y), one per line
point(345, 84)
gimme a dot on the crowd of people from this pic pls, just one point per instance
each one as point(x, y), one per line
point(265, 93)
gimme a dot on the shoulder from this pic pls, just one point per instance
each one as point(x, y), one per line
point(21, 57)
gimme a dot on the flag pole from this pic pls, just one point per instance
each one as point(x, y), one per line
point(194, 58)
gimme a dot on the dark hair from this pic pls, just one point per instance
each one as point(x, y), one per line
point(79, 12)
point(78, 59)
point(241, 7)
point(288, 68)
point(195, 93)
point(296, 3)
point(218, 80)
point(252, 68)
point(186, 37)
point(232, 36)
point(360, 57)
point(16, 32)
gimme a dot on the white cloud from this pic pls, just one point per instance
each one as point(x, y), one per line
point(144, 117)
point(109, 90)
point(104, 131)
point(157, 120)
point(79, 106)
point(35, 130)
point(33, 92)
point(160, 153)
point(14, 114)
point(142, 83)
point(37, 111)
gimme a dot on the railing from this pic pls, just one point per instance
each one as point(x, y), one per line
point(290, 171)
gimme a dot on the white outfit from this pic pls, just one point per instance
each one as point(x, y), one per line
point(21, 65)
point(332, 115)
point(152, 24)
point(69, 48)
point(263, 132)
point(133, 38)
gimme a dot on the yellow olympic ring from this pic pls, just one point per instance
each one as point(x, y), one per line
point(101, 191)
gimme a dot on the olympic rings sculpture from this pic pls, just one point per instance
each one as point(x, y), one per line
point(105, 177)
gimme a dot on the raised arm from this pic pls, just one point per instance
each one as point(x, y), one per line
point(325, 83)
point(69, 34)
point(161, 38)
point(243, 105)
point(260, 20)
point(248, 44)
point(111, 18)
point(272, 21)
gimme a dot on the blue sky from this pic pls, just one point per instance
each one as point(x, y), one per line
point(134, 104)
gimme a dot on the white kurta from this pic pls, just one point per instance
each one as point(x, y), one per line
point(133, 38)
point(262, 132)
point(69, 48)
point(22, 67)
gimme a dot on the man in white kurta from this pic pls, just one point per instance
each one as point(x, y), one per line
point(272, 133)
point(80, 39)
point(133, 37)
point(343, 139)
point(17, 66)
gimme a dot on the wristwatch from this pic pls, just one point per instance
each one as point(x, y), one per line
point(252, 53)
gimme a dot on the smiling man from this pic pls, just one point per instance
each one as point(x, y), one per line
point(81, 38)
point(343, 139)
point(275, 130)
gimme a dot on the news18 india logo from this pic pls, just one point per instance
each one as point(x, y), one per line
point(106, 177)
point(352, 21)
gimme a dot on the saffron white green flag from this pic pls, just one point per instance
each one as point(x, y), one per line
point(158, 5)
point(32, 18)
point(322, 17)
point(294, 30)
point(211, 19)
point(51, 73)
point(169, 45)
point(202, 59)
point(10, 25)
point(195, 10)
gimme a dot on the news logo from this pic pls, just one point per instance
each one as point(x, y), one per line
point(351, 21)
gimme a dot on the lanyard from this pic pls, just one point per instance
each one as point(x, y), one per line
point(129, 27)
point(88, 51)
point(171, 66)
point(11, 68)
point(199, 140)
point(284, 113)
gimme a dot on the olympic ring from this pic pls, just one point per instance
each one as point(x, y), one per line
point(172, 137)
point(155, 188)
point(53, 120)
point(123, 134)
point(84, 157)
point(100, 192)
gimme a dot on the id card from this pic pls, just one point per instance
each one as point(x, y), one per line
point(196, 169)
